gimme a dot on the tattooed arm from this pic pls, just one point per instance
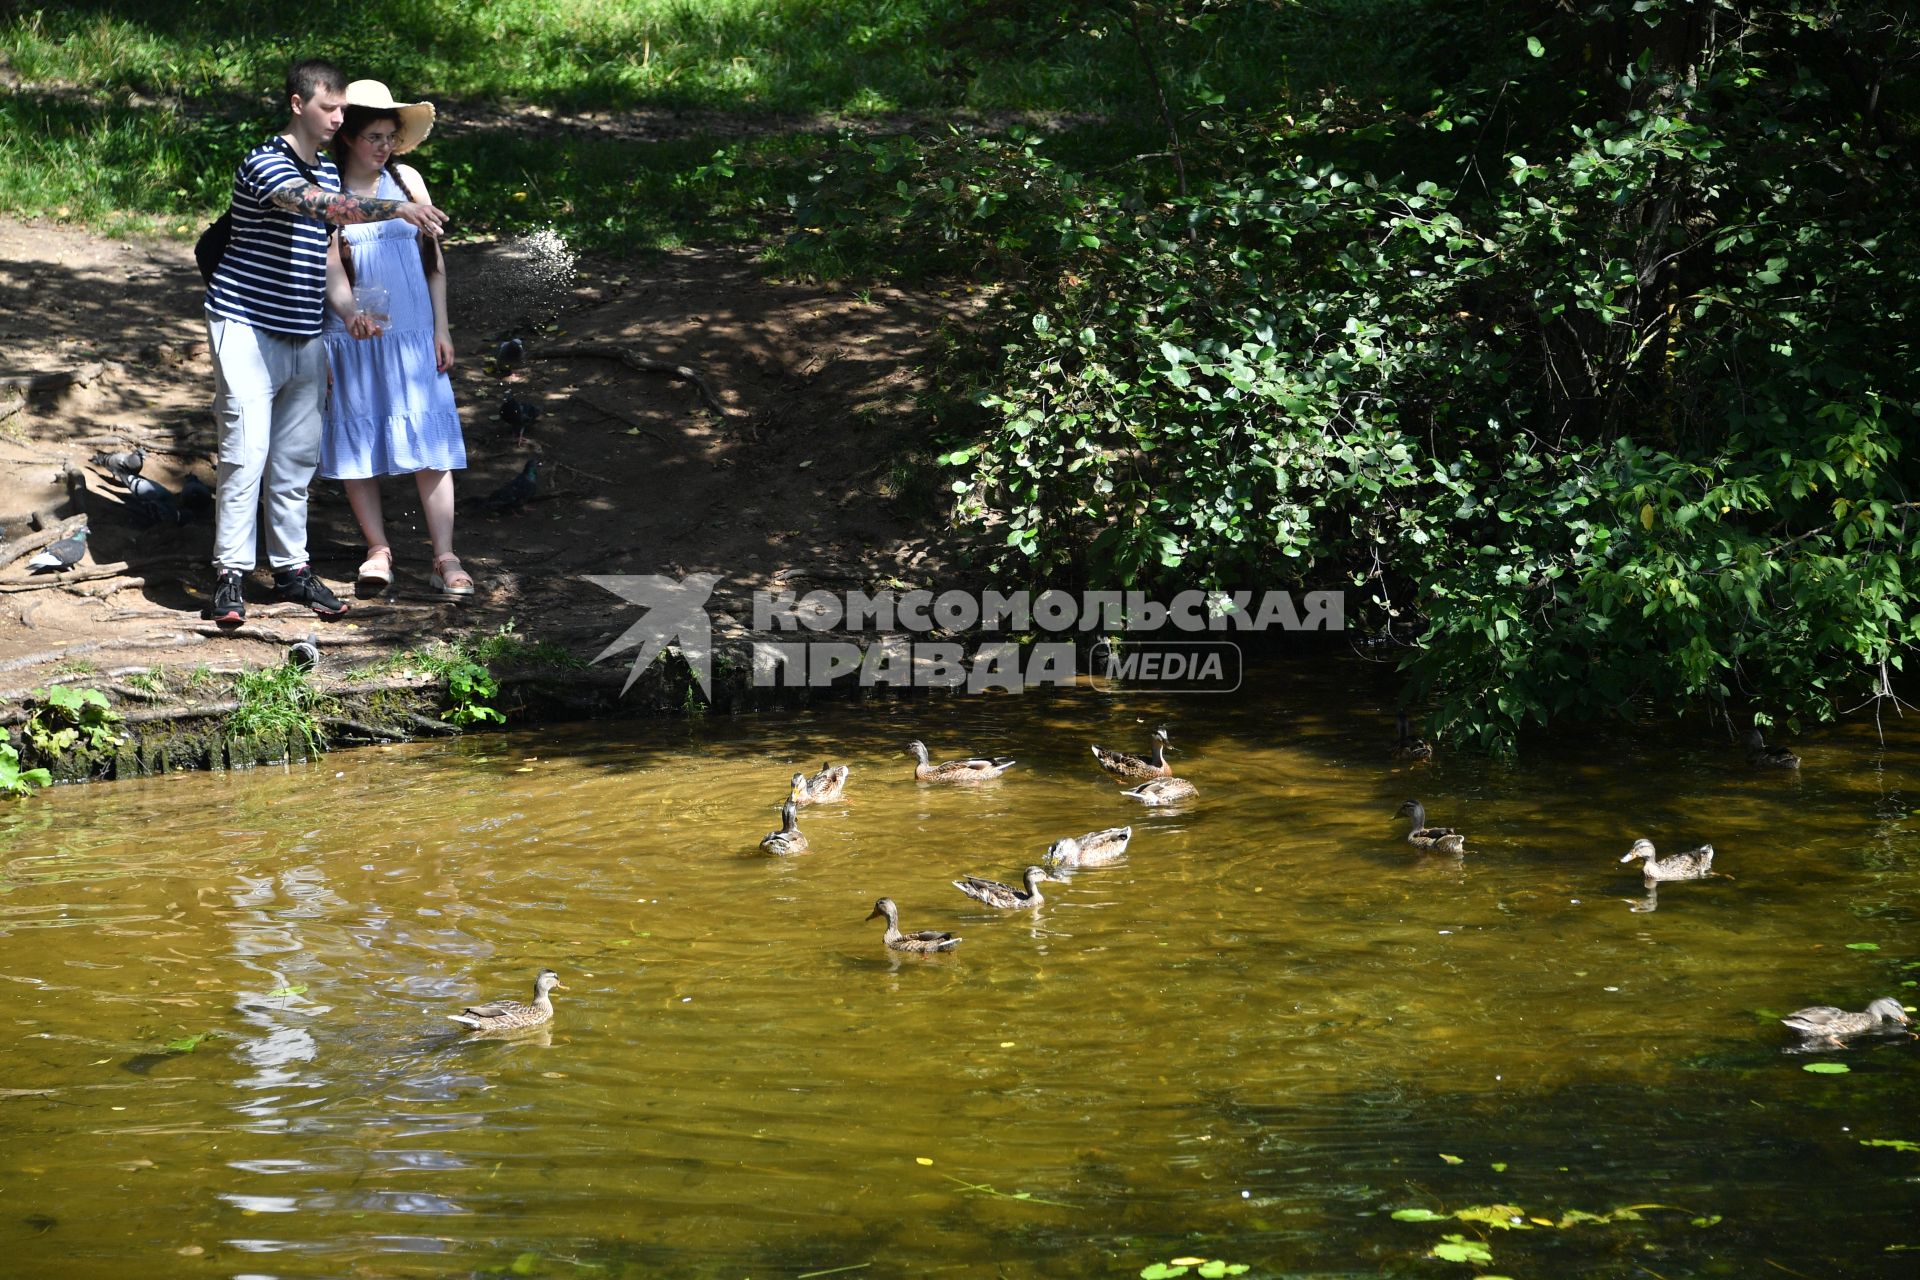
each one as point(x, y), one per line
point(342, 207)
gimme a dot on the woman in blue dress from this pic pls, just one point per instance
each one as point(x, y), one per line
point(391, 410)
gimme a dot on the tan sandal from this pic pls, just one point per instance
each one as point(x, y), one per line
point(453, 581)
point(375, 574)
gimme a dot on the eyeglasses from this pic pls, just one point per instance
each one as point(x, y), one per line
point(380, 140)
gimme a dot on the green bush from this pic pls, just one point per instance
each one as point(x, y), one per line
point(63, 718)
point(15, 781)
point(1592, 377)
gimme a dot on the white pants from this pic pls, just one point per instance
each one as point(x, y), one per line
point(267, 394)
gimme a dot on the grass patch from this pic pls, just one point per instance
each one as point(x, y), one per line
point(465, 666)
point(168, 170)
point(508, 648)
point(279, 702)
point(766, 55)
point(132, 118)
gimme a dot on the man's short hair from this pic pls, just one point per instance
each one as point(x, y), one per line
point(304, 79)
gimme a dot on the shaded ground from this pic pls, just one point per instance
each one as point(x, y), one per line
point(795, 483)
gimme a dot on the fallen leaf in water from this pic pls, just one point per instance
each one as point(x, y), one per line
point(1451, 1159)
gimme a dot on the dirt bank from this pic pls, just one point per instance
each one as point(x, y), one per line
point(792, 480)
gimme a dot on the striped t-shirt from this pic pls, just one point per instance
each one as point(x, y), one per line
point(274, 273)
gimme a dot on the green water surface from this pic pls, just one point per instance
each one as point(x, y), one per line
point(1265, 1031)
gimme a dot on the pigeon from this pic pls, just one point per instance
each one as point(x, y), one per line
point(196, 499)
point(508, 356)
point(151, 502)
point(519, 414)
point(62, 555)
point(121, 466)
point(514, 494)
point(304, 655)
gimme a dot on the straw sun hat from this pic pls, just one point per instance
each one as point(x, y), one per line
point(416, 118)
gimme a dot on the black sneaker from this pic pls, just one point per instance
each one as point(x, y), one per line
point(302, 587)
point(229, 607)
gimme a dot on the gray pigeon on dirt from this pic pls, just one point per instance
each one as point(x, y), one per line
point(121, 466)
point(62, 555)
point(508, 356)
point(519, 414)
point(151, 502)
point(515, 493)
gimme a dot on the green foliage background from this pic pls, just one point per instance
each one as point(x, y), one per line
point(1589, 363)
point(1577, 340)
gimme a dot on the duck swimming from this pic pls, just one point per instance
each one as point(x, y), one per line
point(1094, 849)
point(1162, 791)
point(1005, 896)
point(1407, 745)
point(1694, 864)
point(1762, 756)
point(789, 839)
point(976, 770)
point(1825, 1024)
point(1431, 839)
point(927, 940)
point(512, 1015)
point(828, 784)
point(1122, 765)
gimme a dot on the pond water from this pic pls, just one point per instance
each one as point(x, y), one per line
point(1253, 1040)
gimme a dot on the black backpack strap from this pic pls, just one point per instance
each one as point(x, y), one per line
point(306, 170)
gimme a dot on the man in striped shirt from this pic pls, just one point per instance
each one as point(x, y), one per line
point(264, 310)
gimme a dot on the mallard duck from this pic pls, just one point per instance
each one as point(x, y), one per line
point(789, 839)
point(1005, 896)
point(924, 941)
point(1122, 765)
point(1407, 745)
point(1162, 791)
point(1096, 848)
point(1694, 864)
point(512, 1015)
point(1431, 839)
point(828, 784)
point(1762, 756)
point(1829, 1025)
point(957, 770)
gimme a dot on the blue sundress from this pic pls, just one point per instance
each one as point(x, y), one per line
point(390, 411)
